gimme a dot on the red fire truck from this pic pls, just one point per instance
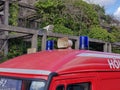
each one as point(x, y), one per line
point(62, 69)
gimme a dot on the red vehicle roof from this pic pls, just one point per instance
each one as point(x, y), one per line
point(63, 61)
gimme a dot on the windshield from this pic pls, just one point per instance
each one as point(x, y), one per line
point(19, 84)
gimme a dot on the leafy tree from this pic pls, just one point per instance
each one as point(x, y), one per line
point(49, 10)
point(97, 32)
point(63, 29)
point(90, 14)
point(17, 47)
point(75, 14)
point(116, 33)
point(13, 19)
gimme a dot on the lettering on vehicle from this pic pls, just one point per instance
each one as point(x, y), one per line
point(114, 63)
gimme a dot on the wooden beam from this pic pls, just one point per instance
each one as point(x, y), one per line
point(40, 33)
point(2, 0)
point(116, 43)
point(17, 35)
point(17, 29)
point(11, 36)
point(62, 35)
point(9, 0)
point(96, 40)
point(27, 6)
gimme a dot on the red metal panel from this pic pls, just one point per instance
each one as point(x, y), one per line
point(63, 62)
point(109, 80)
point(76, 78)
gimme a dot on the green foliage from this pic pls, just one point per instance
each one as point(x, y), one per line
point(3, 59)
point(97, 32)
point(49, 10)
point(63, 29)
point(49, 6)
point(90, 16)
point(116, 50)
point(80, 15)
point(75, 14)
point(17, 47)
point(39, 43)
point(84, 32)
point(116, 33)
point(13, 19)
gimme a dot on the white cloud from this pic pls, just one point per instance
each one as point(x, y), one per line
point(117, 13)
point(104, 3)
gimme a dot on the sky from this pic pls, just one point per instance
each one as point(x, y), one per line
point(112, 7)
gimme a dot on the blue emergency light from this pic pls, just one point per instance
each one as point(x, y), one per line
point(49, 45)
point(84, 42)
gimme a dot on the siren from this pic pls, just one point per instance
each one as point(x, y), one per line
point(84, 42)
point(64, 43)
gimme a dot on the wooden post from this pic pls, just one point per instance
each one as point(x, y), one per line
point(105, 47)
point(77, 44)
point(6, 12)
point(109, 47)
point(44, 39)
point(6, 15)
point(34, 41)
